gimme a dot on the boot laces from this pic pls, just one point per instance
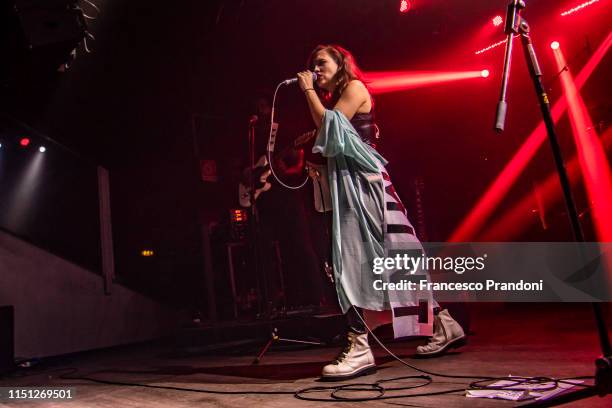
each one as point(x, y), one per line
point(344, 353)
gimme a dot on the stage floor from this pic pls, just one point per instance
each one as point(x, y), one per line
point(527, 340)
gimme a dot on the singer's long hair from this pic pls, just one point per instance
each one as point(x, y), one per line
point(347, 71)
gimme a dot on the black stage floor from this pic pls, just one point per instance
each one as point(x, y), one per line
point(553, 340)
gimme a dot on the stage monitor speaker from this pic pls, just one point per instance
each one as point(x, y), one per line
point(7, 339)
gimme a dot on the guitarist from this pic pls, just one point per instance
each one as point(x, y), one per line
point(284, 214)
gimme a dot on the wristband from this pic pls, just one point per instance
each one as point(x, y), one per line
point(308, 89)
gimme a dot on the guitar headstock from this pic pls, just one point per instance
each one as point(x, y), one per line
point(304, 138)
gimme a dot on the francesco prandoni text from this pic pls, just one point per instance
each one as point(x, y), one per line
point(489, 284)
point(459, 265)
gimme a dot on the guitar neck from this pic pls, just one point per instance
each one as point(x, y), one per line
point(304, 138)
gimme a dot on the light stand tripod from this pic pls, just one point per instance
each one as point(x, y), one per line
point(517, 25)
point(276, 338)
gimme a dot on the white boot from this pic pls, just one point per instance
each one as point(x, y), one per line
point(447, 334)
point(356, 359)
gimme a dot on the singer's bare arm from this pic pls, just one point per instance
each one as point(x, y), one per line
point(317, 110)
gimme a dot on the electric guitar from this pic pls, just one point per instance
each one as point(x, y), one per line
point(261, 171)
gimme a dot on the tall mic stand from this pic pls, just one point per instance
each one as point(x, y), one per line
point(517, 25)
point(274, 335)
point(254, 230)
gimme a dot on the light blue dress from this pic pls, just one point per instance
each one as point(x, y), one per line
point(369, 221)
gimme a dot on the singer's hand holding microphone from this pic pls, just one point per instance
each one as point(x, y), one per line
point(305, 80)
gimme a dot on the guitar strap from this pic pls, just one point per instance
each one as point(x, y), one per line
point(272, 138)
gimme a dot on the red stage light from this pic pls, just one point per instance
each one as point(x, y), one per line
point(516, 220)
point(405, 6)
point(554, 45)
point(578, 7)
point(480, 213)
point(591, 155)
point(24, 142)
point(497, 20)
point(383, 82)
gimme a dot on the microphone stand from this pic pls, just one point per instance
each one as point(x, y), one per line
point(254, 230)
point(274, 335)
point(517, 25)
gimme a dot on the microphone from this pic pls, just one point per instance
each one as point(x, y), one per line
point(294, 80)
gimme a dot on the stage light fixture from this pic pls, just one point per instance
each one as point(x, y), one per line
point(497, 20)
point(578, 7)
point(554, 45)
point(147, 252)
point(485, 73)
point(405, 6)
point(24, 142)
point(42, 149)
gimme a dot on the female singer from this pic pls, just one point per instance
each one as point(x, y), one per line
point(369, 219)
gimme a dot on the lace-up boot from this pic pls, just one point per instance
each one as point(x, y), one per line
point(354, 360)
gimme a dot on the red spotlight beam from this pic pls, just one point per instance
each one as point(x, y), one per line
point(480, 213)
point(592, 158)
point(393, 81)
point(516, 220)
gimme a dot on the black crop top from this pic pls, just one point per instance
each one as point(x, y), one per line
point(366, 128)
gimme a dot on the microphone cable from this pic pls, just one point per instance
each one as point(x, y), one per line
point(517, 381)
point(270, 149)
